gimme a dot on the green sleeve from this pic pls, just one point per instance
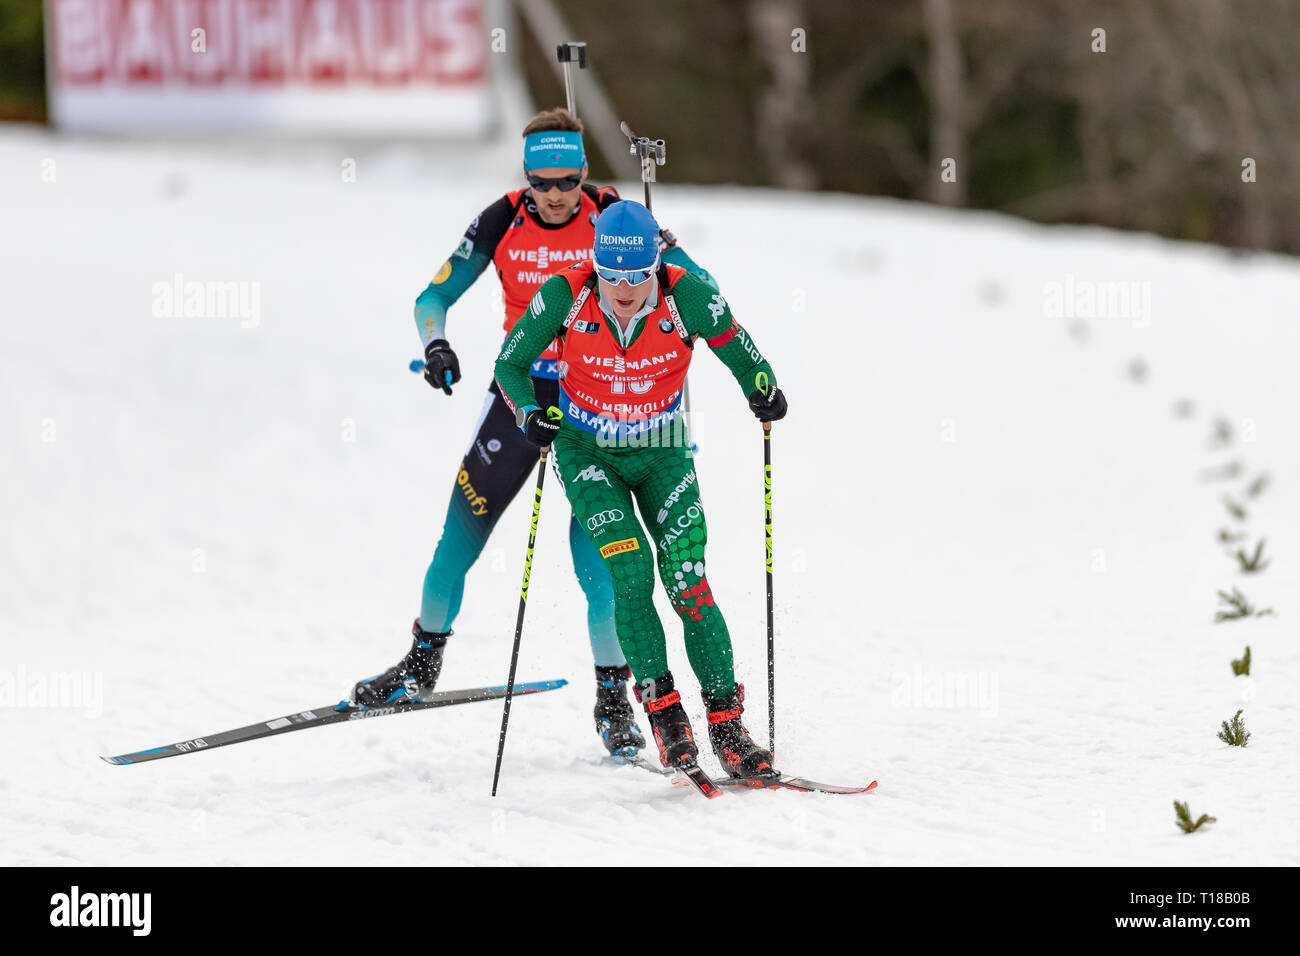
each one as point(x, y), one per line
point(705, 313)
point(676, 255)
point(535, 330)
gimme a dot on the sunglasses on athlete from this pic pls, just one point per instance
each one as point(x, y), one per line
point(563, 183)
point(630, 276)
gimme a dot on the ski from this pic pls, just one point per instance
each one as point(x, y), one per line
point(786, 782)
point(693, 775)
point(636, 760)
point(338, 713)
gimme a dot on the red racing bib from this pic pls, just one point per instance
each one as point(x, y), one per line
point(616, 392)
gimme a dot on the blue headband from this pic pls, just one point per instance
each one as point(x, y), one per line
point(554, 149)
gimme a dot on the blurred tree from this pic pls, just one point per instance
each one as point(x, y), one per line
point(22, 60)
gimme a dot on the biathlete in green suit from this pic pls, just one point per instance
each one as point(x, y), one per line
point(626, 325)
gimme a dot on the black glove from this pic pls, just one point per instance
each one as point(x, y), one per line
point(768, 407)
point(540, 426)
point(441, 367)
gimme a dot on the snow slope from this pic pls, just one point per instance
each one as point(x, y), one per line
point(995, 544)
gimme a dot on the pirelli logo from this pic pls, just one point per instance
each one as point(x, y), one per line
point(618, 547)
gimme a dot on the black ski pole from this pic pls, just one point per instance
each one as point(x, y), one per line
point(519, 623)
point(771, 629)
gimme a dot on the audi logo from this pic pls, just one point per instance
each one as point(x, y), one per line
point(605, 517)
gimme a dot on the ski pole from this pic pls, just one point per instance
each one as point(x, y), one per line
point(519, 623)
point(652, 153)
point(763, 384)
point(566, 53)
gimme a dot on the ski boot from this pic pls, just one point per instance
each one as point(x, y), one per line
point(615, 720)
point(410, 679)
point(739, 755)
point(668, 720)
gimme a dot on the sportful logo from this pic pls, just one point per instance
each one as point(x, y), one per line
point(538, 305)
point(592, 473)
point(605, 517)
point(103, 909)
point(673, 498)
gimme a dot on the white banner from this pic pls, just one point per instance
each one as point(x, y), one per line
point(368, 67)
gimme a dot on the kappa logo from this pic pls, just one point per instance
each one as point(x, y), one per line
point(592, 473)
point(717, 307)
point(619, 547)
point(676, 495)
point(604, 518)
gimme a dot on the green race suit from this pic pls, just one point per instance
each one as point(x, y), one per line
point(602, 476)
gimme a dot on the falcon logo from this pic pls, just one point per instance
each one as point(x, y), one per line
point(592, 473)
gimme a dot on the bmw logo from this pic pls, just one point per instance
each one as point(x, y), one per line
point(665, 325)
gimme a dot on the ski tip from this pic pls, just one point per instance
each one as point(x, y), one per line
point(115, 761)
point(539, 685)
